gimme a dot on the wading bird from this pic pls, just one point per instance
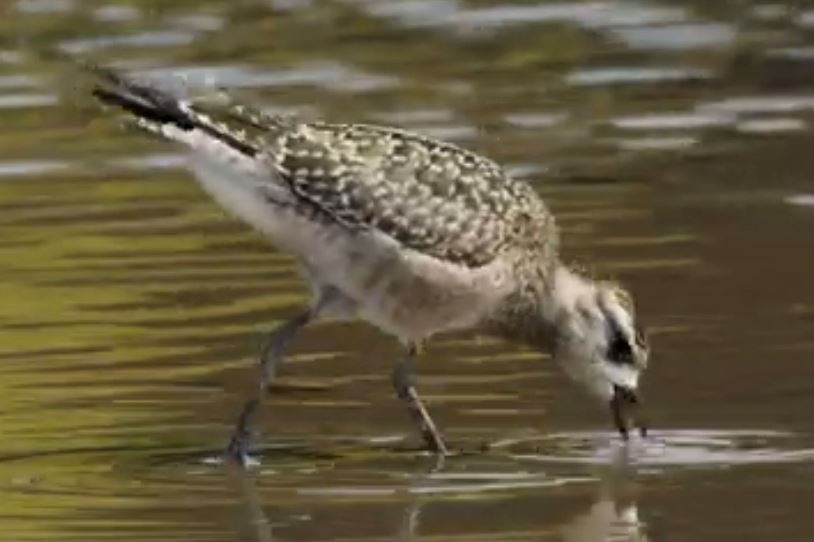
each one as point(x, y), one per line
point(410, 234)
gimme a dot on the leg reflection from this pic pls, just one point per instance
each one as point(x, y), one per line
point(252, 523)
point(411, 518)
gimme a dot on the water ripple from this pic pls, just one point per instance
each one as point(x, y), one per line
point(634, 75)
point(148, 39)
point(675, 448)
point(679, 37)
point(332, 75)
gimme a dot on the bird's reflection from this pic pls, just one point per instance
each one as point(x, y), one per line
point(412, 514)
point(252, 523)
point(612, 516)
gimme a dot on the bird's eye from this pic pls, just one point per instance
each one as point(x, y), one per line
point(619, 350)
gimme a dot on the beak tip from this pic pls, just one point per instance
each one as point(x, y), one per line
point(623, 399)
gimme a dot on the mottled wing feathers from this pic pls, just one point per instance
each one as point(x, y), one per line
point(430, 196)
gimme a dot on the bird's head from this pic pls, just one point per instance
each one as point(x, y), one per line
point(599, 344)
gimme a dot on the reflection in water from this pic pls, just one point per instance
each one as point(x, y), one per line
point(606, 520)
point(611, 516)
point(408, 529)
point(624, 75)
point(672, 139)
point(662, 449)
point(612, 512)
point(614, 515)
point(254, 525)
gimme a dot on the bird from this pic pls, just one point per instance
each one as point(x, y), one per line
point(413, 235)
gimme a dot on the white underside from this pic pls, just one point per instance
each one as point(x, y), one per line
point(403, 292)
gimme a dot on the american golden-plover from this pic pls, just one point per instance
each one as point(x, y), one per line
point(413, 235)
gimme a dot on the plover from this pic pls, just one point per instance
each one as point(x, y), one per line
point(413, 235)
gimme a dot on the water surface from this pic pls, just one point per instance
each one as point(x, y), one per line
point(673, 141)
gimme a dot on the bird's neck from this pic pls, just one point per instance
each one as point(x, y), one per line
point(539, 312)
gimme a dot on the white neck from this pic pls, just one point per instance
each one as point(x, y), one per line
point(568, 291)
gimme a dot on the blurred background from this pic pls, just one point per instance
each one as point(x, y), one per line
point(674, 141)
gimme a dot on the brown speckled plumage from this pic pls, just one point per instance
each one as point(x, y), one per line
point(414, 235)
point(431, 196)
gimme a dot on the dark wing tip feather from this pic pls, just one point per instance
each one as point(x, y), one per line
point(139, 99)
point(142, 108)
point(148, 102)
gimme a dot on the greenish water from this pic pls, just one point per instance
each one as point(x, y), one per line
point(673, 141)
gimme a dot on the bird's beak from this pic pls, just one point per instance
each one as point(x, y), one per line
point(626, 406)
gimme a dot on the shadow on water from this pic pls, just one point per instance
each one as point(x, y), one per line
point(671, 138)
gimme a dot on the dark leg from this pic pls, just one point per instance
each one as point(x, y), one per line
point(402, 382)
point(270, 358)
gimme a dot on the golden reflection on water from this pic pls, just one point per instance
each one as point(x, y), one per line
point(671, 139)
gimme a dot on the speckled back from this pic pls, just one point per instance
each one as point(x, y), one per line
point(431, 196)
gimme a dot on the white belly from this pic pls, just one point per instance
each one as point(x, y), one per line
point(403, 292)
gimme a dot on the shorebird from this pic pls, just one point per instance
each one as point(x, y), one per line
point(413, 235)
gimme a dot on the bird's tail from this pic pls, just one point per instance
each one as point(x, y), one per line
point(173, 117)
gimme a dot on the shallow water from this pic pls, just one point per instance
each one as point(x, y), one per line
point(673, 141)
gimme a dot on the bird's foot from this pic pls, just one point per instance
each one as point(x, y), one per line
point(435, 443)
point(237, 451)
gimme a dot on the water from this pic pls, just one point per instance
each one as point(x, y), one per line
point(672, 140)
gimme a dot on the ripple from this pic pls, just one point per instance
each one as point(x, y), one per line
point(31, 167)
point(330, 75)
point(353, 468)
point(770, 12)
point(44, 6)
point(678, 37)
point(536, 120)
point(448, 132)
point(414, 12)
point(806, 200)
point(197, 22)
point(19, 101)
point(150, 162)
point(760, 104)
point(672, 121)
point(675, 448)
point(792, 53)
point(289, 5)
point(114, 13)
point(157, 38)
point(415, 116)
point(593, 15)
point(633, 75)
point(17, 81)
point(771, 126)
point(10, 57)
point(656, 143)
point(806, 19)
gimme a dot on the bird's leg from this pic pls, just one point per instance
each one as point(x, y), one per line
point(270, 358)
point(403, 384)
